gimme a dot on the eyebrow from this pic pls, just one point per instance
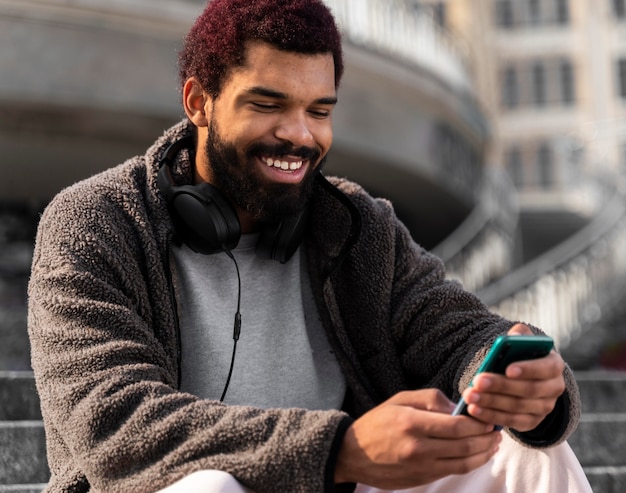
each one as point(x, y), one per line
point(271, 93)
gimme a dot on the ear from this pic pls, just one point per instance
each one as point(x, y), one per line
point(195, 102)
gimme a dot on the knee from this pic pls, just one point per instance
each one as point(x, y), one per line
point(207, 481)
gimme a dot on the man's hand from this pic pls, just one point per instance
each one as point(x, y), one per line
point(521, 398)
point(411, 439)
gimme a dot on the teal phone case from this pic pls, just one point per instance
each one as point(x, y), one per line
point(506, 350)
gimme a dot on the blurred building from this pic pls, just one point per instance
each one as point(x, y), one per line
point(552, 76)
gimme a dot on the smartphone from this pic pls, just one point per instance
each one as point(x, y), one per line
point(506, 350)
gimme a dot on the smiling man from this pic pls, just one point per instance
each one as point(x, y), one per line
point(218, 316)
point(267, 131)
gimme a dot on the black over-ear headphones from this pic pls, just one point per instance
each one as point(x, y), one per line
point(208, 223)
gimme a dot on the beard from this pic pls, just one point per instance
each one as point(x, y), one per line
point(237, 176)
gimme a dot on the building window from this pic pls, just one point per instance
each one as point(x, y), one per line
point(513, 160)
point(439, 12)
point(619, 8)
point(545, 166)
point(621, 77)
point(562, 11)
point(504, 13)
point(538, 84)
point(531, 13)
point(568, 91)
point(534, 12)
point(510, 89)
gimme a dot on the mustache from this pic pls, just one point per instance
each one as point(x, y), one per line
point(283, 149)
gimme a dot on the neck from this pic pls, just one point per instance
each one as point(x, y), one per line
point(248, 225)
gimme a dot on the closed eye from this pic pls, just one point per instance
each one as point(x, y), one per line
point(265, 106)
point(320, 113)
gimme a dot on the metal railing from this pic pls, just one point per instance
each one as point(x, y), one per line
point(572, 287)
point(567, 290)
point(399, 29)
point(481, 249)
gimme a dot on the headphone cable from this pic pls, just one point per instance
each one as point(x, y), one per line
point(237, 324)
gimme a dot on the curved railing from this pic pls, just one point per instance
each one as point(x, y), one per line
point(409, 34)
point(574, 285)
point(481, 249)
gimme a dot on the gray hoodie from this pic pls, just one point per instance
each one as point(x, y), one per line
point(105, 343)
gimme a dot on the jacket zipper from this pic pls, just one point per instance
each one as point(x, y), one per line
point(174, 303)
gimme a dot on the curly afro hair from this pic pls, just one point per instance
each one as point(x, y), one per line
point(216, 41)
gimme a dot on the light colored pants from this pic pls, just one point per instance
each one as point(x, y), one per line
point(514, 469)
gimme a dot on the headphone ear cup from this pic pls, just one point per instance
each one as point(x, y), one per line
point(279, 241)
point(206, 222)
point(202, 217)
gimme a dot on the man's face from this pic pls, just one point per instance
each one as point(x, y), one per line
point(270, 129)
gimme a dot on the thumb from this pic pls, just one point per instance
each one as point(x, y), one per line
point(520, 330)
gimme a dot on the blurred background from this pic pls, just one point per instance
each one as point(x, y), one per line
point(496, 127)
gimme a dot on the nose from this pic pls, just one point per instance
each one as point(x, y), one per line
point(295, 129)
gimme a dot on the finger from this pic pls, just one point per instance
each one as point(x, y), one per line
point(464, 447)
point(465, 464)
point(448, 427)
point(549, 366)
point(517, 421)
point(432, 400)
point(494, 384)
point(450, 456)
point(513, 405)
point(421, 471)
point(446, 467)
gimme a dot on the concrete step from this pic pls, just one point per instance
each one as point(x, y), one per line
point(17, 228)
point(600, 440)
point(607, 479)
point(23, 464)
point(23, 453)
point(601, 436)
point(602, 391)
point(18, 397)
point(596, 443)
point(15, 349)
point(22, 488)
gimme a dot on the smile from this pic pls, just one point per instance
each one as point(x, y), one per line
point(281, 164)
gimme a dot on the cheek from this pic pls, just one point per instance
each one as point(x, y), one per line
point(324, 138)
point(245, 133)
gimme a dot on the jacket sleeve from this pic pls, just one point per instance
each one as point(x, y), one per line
point(442, 332)
point(114, 418)
point(468, 329)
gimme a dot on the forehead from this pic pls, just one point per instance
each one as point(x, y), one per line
point(289, 72)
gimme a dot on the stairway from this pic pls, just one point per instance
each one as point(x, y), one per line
point(599, 442)
point(23, 466)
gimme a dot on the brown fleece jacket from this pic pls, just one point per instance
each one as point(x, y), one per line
point(104, 338)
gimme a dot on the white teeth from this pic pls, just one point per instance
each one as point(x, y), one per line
point(284, 165)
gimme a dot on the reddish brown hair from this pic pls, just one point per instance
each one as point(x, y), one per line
point(216, 41)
